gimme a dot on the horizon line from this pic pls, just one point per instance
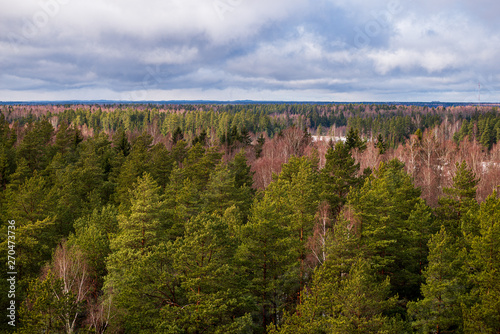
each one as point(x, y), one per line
point(101, 101)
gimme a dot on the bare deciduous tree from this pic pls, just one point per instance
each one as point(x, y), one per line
point(70, 267)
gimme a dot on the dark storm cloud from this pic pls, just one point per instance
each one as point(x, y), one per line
point(241, 49)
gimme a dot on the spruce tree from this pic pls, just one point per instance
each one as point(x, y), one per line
point(338, 176)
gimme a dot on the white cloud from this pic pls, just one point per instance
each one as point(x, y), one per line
point(215, 48)
point(407, 60)
point(176, 55)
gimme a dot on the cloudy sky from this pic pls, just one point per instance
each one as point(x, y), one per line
point(294, 50)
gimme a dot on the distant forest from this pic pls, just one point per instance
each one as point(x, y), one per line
point(251, 218)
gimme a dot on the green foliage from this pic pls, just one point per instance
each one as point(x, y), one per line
point(458, 200)
point(8, 138)
point(34, 147)
point(382, 146)
point(260, 143)
point(211, 286)
point(30, 206)
point(121, 143)
point(353, 140)
point(136, 163)
point(274, 240)
point(40, 311)
point(383, 209)
point(139, 230)
point(351, 303)
point(338, 176)
point(56, 301)
point(484, 314)
point(440, 309)
point(92, 235)
point(173, 238)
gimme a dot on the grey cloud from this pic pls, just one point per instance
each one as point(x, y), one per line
point(325, 49)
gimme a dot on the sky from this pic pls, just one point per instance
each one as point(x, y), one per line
point(264, 50)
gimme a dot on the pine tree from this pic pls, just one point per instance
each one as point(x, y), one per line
point(299, 181)
point(458, 201)
point(161, 164)
point(338, 176)
point(382, 209)
point(243, 178)
point(352, 303)
point(361, 303)
point(35, 147)
point(440, 311)
point(209, 282)
point(484, 315)
point(263, 252)
point(92, 236)
point(40, 310)
point(67, 140)
point(8, 138)
point(221, 191)
point(136, 163)
point(381, 145)
point(121, 143)
point(140, 229)
point(177, 136)
point(139, 235)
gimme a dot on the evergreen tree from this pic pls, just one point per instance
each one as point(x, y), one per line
point(57, 301)
point(161, 164)
point(201, 138)
point(92, 236)
point(121, 143)
point(40, 310)
point(299, 181)
point(221, 191)
point(263, 252)
point(353, 140)
point(243, 178)
point(35, 147)
point(458, 200)
point(177, 136)
point(381, 145)
point(484, 315)
point(67, 140)
point(210, 284)
point(258, 147)
point(383, 207)
point(139, 234)
point(80, 188)
point(275, 238)
point(338, 176)
point(419, 134)
point(30, 206)
point(8, 138)
point(179, 152)
point(439, 311)
point(352, 303)
point(140, 229)
point(136, 164)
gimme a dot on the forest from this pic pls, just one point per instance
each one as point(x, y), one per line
point(251, 218)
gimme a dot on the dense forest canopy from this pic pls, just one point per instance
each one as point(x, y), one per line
point(252, 218)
